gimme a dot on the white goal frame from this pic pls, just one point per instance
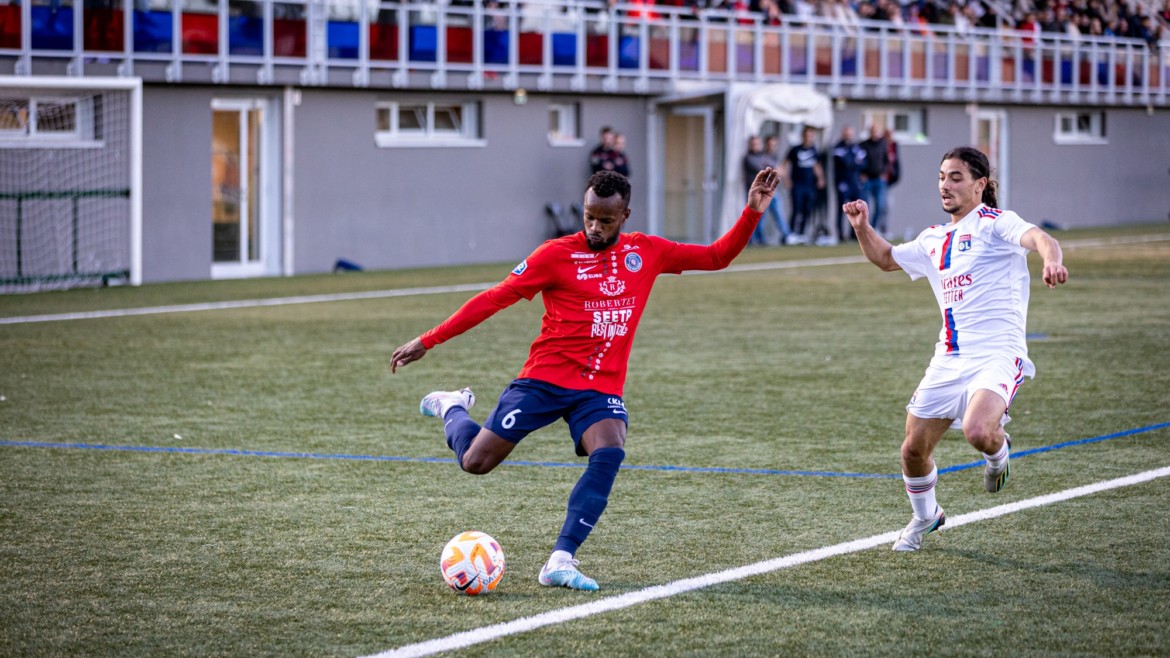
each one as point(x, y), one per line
point(134, 86)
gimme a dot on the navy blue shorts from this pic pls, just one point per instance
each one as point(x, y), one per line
point(529, 404)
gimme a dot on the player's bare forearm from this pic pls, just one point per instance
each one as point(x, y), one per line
point(408, 353)
point(873, 246)
point(1054, 272)
point(763, 188)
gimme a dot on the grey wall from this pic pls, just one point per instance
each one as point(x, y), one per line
point(176, 183)
point(390, 208)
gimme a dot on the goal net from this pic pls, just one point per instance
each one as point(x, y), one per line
point(70, 179)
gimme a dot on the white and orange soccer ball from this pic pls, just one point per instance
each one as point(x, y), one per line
point(472, 563)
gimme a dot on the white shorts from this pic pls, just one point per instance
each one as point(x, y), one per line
point(950, 381)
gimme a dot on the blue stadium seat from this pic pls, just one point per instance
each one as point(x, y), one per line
point(424, 43)
point(564, 49)
point(52, 29)
point(153, 31)
point(342, 37)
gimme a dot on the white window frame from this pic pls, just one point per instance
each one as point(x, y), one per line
point(81, 136)
point(914, 132)
point(568, 131)
point(1094, 135)
point(429, 136)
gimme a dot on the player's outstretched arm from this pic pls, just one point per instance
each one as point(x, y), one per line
point(408, 353)
point(875, 247)
point(1049, 249)
point(763, 188)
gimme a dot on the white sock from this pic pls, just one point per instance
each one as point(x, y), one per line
point(997, 459)
point(559, 557)
point(921, 493)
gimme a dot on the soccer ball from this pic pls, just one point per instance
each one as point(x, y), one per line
point(472, 563)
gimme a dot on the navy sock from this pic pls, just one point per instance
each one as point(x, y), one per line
point(461, 430)
point(589, 498)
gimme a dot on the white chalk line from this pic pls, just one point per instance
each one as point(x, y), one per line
point(572, 613)
point(469, 287)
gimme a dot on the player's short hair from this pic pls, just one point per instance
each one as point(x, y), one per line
point(608, 183)
point(979, 166)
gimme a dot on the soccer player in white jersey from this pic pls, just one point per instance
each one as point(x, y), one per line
point(977, 267)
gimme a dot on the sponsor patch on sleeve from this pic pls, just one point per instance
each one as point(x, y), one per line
point(520, 268)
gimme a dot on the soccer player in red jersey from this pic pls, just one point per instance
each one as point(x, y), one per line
point(595, 285)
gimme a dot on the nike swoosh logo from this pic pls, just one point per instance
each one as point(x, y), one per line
point(582, 522)
point(582, 270)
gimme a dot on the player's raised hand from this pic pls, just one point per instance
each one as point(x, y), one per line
point(408, 353)
point(763, 187)
point(857, 212)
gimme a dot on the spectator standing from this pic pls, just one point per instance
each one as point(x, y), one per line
point(759, 157)
point(848, 160)
point(621, 163)
point(602, 157)
point(874, 183)
point(805, 176)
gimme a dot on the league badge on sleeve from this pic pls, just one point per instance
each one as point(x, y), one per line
point(520, 268)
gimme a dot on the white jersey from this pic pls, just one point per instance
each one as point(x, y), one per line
point(979, 274)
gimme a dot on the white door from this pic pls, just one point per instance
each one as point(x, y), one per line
point(989, 134)
point(245, 230)
point(690, 175)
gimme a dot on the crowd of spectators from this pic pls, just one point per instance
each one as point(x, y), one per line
point(1142, 19)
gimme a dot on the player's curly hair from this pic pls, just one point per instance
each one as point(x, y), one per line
point(980, 167)
point(608, 183)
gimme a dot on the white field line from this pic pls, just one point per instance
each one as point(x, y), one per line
point(523, 625)
point(472, 287)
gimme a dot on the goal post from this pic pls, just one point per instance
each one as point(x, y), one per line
point(70, 182)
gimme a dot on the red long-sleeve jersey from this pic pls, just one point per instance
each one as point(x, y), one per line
point(593, 300)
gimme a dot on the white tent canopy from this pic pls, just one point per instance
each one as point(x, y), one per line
point(748, 108)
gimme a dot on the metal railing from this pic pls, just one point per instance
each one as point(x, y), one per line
point(571, 46)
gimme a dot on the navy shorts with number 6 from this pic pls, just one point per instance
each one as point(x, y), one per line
point(529, 404)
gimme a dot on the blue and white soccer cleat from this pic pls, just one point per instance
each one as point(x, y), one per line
point(438, 403)
point(910, 539)
point(565, 574)
point(994, 479)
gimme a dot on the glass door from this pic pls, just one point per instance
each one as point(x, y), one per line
point(240, 233)
point(989, 134)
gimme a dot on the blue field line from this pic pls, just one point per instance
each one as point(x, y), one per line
point(1058, 446)
point(447, 460)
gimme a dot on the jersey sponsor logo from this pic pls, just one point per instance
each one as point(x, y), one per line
point(520, 268)
point(633, 262)
point(965, 242)
point(601, 304)
point(952, 287)
point(612, 286)
point(582, 255)
point(608, 324)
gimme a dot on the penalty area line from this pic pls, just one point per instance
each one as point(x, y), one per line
point(572, 613)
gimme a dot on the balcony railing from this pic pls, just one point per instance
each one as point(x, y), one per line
point(569, 46)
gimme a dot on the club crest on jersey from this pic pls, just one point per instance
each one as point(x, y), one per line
point(612, 286)
point(633, 262)
point(520, 268)
point(965, 242)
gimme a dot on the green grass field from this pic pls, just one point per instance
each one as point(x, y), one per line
point(228, 531)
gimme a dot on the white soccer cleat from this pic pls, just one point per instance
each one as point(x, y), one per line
point(910, 539)
point(565, 574)
point(438, 403)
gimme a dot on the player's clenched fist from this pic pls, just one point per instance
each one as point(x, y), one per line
point(857, 212)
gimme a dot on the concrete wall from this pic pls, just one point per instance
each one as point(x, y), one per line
point(390, 208)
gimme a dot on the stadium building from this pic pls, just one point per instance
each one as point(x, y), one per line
point(167, 140)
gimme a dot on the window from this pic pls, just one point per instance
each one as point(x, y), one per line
point(908, 124)
point(563, 128)
point(48, 121)
point(416, 123)
point(1080, 128)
